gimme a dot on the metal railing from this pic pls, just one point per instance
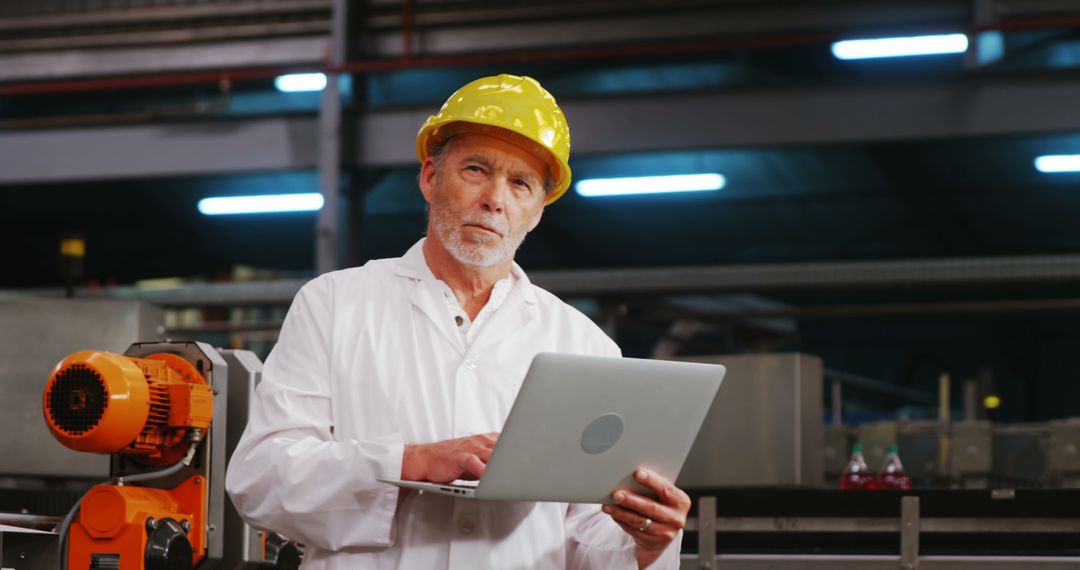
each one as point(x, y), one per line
point(910, 525)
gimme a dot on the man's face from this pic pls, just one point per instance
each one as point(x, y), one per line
point(484, 196)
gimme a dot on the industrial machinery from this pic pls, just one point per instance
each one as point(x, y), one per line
point(161, 411)
point(149, 413)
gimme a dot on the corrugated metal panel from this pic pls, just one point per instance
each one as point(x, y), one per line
point(23, 8)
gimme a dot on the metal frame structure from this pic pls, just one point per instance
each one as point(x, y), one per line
point(108, 61)
point(28, 541)
point(446, 28)
point(910, 525)
point(332, 177)
point(910, 273)
point(216, 370)
point(243, 544)
point(455, 35)
point(774, 116)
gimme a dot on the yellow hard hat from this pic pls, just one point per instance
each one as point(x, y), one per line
point(510, 107)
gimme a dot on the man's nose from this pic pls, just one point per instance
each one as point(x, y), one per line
point(495, 195)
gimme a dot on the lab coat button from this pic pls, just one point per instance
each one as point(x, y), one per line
point(470, 363)
point(466, 526)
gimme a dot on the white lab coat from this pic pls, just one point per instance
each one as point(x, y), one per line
point(369, 359)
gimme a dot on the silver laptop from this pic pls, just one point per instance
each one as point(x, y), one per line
point(581, 425)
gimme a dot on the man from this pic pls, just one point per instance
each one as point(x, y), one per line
point(407, 368)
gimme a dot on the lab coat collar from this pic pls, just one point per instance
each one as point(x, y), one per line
point(519, 307)
point(412, 265)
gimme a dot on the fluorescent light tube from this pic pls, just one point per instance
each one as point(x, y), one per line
point(900, 47)
point(595, 187)
point(1052, 163)
point(271, 203)
point(300, 82)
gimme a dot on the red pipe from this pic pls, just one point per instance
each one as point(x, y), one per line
point(572, 54)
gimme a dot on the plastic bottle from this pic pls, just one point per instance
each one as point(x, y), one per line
point(856, 474)
point(892, 475)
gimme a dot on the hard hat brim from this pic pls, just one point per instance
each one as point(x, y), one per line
point(435, 132)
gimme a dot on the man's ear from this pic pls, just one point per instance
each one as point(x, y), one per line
point(427, 178)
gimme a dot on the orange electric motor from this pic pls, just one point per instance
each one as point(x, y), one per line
point(152, 410)
point(102, 402)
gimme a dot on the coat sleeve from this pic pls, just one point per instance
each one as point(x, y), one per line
point(594, 540)
point(288, 473)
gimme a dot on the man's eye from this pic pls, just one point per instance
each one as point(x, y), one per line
point(474, 168)
point(522, 184)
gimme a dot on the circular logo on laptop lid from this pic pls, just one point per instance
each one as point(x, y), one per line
point(602, 433)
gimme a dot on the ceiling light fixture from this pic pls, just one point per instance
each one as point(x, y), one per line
point(271, 203)
point(300, 82)
point(596, 187)
point(1054, 163)
point(900, 47)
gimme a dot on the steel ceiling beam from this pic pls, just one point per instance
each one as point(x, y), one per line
point(159, 150)
point(913, 273)
point(457, 28)
point(539, 25)
point(941, 108)
point(1055, 306)
point(178, 35)
point(97, 15)
point(816, 275)
point(971, 106)
point(61, 64)
point(475, 27)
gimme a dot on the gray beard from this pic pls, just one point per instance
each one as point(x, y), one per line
point(483, 253)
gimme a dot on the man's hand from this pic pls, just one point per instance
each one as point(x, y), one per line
point(446, 461)
point(652, 524)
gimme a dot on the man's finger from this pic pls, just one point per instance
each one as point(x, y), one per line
point(665, 490)
point(476, 443)
point(649, 508)
point(655, 536)
point(484, 453)
point(632, 518)
point(484, 439)
point(472, 464)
